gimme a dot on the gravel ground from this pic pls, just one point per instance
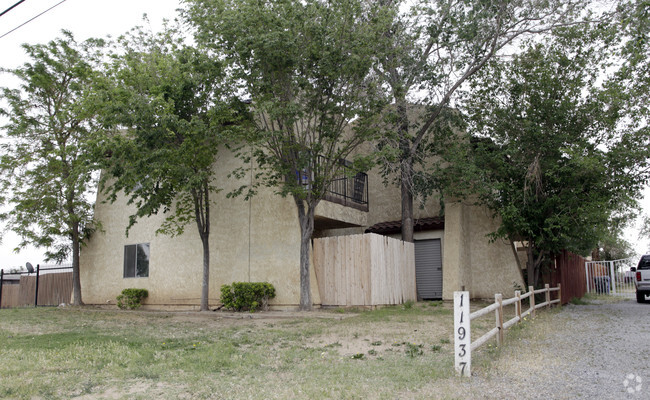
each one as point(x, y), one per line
point(579, 352)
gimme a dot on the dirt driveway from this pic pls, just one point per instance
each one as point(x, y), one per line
point(596, 351)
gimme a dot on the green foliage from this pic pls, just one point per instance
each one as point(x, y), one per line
point(247, 296)
point(578, 302)
point(413, 350)
point(171, 103)
point(408, 304)
point(645, 227)
point(306, 65)
point(131, 298)
point(546, 152)
point(47, 168)
point(174, 112)
point(426, 57)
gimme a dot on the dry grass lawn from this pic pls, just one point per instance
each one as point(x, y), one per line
point(393, 352)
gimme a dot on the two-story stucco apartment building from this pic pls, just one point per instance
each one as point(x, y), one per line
point(259, 240)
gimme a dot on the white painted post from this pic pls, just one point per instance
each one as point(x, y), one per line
point(462, 336)
point(587, 275)
point(498, 315)
point(613, 280)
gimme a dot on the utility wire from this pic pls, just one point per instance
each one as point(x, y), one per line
point(10, 8)
point(30, 20)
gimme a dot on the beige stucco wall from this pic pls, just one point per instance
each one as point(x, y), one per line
point(386, 205)
point(471, 261)
point(259, 240)
point(256, 240)
point(335, 211)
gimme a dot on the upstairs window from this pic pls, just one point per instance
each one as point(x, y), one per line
point(136, 260)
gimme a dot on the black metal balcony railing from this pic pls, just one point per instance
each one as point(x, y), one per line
point(350, 191)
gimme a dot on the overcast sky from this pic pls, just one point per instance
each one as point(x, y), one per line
point(85, 18)
point(95, 18)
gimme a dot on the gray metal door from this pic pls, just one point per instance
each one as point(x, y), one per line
point(428, 269)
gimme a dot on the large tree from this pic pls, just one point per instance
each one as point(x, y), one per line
point(548, 156)
point(430, 51)
point(171, 112)
point(305, 65)
point(46, 169)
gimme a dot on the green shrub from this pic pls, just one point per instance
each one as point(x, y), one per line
point(131, 298)
point(413, 350)
point(578, 302)
point(247, 296)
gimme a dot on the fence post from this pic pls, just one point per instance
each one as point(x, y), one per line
point(559, 294)
point(2, 275)
point(462, 334)
point(548, 296)
point(532, 301)
point(587, 276)
point(38, 270)
point(498, 298)
point(518, 305)
point(612, 274)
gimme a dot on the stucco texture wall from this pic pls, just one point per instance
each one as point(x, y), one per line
point(385, 201)
point(256, 240)
point(471, 260)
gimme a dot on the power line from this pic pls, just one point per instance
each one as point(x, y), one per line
point(30, 20)
point(10, 8)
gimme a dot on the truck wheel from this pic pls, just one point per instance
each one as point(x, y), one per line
point(640, 297)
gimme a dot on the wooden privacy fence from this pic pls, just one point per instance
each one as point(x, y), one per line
point(37, 289)
point(463, 345)
point(568, 270)
point(364, 270)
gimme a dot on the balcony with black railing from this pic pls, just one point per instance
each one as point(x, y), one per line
point(349, 190)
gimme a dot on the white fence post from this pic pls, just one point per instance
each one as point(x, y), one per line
point(612, 274)
point(462, 336)
point(498, 316)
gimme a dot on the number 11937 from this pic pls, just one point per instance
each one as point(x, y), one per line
point(462, 337)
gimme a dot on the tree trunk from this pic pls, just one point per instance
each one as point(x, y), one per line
point(76, 279)
point(406, 169)
point(205, 288)
point(201, 199)
point(306, 220)
point(407, 202)
point(530, 266)
point(533, 265)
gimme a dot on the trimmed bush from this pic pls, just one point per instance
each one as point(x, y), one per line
point(131, 298)
point(249, 296)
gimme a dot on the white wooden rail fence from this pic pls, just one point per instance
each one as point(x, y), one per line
point(463, 345)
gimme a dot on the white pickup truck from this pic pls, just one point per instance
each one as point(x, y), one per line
point(642, 281)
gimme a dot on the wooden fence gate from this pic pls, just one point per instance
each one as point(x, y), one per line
point(364, 270)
